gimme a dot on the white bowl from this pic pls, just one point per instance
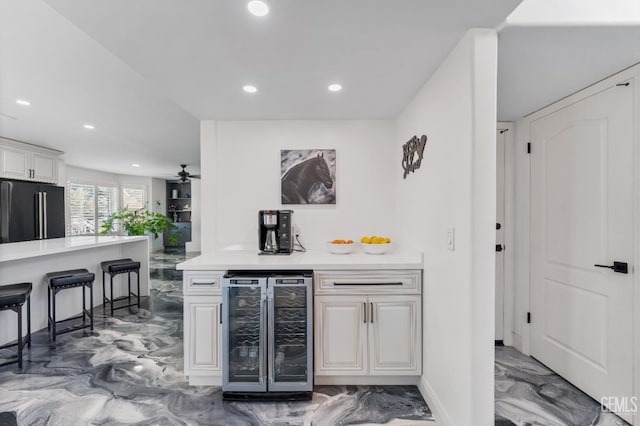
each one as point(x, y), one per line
point(340, 248)
point(375, 248)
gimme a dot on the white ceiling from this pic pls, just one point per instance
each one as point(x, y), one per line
point(538, 65)
point(146, 71)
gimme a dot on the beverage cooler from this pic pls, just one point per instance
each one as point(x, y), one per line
point(267, 336)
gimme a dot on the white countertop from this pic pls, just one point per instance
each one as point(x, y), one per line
point(315, 258)
point(28, 249)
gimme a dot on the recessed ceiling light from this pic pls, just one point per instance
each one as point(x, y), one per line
point(335, 87)
point(89, 126)
point(135, 165)
point(249, 88)
point(258, 7)
point(23, 102)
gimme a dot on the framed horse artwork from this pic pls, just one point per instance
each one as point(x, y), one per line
point(308, 176)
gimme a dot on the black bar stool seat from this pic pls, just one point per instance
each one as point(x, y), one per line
point(12, 297)
point(63, 280)
point(113, 268)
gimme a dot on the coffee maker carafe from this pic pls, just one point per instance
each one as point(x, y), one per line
point(275, 232)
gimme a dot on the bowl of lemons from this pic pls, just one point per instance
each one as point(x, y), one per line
point(375, 244)
point(340, 246)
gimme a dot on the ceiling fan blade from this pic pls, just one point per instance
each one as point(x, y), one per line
point(194, 176)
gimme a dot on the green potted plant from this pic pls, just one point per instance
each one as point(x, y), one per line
point(140, 222)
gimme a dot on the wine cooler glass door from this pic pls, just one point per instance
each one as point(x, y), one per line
point(244, 337)
point(290, 350)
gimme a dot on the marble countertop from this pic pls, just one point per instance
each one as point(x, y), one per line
point(29, 249)
point(317, 258)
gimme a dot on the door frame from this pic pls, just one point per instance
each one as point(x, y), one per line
point(522, 259)
point(509, 227)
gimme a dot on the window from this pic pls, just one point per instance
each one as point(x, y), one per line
point(133, 198)
point(89, 206)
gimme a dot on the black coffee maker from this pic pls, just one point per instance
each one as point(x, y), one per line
point(275, 231)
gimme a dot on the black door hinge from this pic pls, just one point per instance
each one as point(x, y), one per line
point(528, 317)
point(528, 147)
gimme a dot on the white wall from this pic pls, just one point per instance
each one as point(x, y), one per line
point(241, 175)
point(455, 187)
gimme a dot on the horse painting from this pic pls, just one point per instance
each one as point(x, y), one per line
point(309, 181)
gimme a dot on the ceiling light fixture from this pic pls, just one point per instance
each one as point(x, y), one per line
point(135, 165)
point(249, 88)
point(258, 8)
point(335, 87)
point(89, 126)
point(23, 102)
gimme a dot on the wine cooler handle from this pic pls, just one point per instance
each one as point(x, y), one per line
point(262, 338)
point(272, 364)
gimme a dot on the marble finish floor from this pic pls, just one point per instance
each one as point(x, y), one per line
point(528, 393)
point(129, 370)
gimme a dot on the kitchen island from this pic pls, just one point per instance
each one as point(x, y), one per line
point(367, 313)
point(29, 261)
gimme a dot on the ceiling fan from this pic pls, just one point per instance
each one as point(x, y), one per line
point(185, 175)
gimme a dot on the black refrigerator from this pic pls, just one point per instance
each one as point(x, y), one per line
point(30, 211)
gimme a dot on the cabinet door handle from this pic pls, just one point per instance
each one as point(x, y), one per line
point(221, 313)
point(371, 312)
point(364, 311)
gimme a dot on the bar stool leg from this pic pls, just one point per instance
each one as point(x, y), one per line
point(29, 320)
point(84, 307)
point(91, 304)
point(129, 285)
point(53, 322)
point(138, 275)
point(111, 280)
point(104, 294)
point(20, 344)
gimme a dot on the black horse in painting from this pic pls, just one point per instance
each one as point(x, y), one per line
point(301, 180)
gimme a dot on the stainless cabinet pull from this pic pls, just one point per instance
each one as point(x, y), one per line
point(364, 311)
point(371, 312)
point(365, 283)
point(205, 283)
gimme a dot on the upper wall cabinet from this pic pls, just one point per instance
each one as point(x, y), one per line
point(28, 162)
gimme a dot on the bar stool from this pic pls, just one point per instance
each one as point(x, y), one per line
point(64, 280)
point(113, 268)
point(13, 297)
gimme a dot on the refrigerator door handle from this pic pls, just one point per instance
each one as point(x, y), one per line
point(270, 314)
point(261, 360)
point(44, 213)
point(39, 215)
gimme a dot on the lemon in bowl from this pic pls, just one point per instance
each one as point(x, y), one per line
point(375, 244)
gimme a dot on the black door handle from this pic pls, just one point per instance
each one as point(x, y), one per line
point(499, 247)
point(620, 267)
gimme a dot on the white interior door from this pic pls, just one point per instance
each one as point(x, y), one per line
point(500, 168)
point(582, 215)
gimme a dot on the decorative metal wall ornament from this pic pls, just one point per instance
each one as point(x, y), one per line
point(412, 153)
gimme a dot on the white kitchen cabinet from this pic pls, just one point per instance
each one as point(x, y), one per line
point(28, 162)
point(364, 328)
point(395, 336)
point(203, 327)
point(341, 335)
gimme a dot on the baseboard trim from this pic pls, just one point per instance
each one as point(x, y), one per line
point(366, 380)
point(439, 413)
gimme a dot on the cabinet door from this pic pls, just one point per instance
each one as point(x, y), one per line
point(340, 335)
point(395, 336)
point(14, 163)
point(45, 168)
point(202, 334)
